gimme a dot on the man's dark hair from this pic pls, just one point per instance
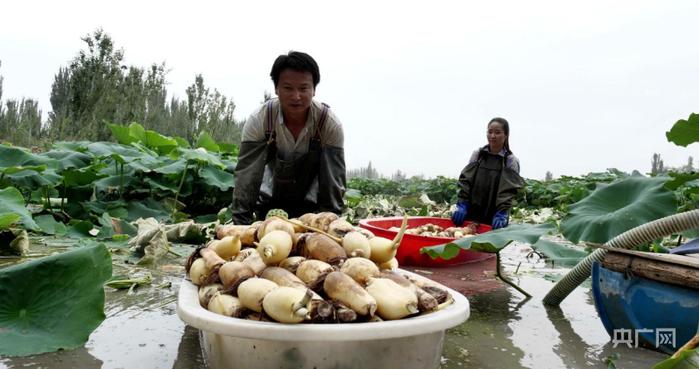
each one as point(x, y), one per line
point(297, 61)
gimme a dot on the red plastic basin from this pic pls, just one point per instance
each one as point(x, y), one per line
point(410, 245)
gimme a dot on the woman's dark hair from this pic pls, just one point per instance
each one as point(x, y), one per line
point(505, 127)
point(297, 61)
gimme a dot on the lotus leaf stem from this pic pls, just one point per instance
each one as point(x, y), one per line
point(499, 274)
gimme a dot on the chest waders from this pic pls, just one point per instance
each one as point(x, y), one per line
point(492, 186)
point(291, 178)
point(486, 179)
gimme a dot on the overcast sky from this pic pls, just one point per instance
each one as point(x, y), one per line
point(586, 86)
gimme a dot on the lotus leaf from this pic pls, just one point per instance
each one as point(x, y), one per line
point(684, 132)
point(492, 241)
point(50, 226)
point(217, 178)
point(69, 158)
point(11, 201)
point(687, 359)
point(206, 141)
point(8, 219)
point(617, 207)
point(558, 253)
point(54, 302)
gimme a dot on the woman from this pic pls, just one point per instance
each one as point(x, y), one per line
point(490, 181)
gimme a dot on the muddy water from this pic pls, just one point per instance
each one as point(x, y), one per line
point(505, 330)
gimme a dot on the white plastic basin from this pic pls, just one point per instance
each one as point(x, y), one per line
point(412, 343)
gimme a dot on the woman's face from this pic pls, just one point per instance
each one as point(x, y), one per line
point(496, 135)
point(295, 91)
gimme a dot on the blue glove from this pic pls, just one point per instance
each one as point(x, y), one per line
point(500, 219)
point(459, 214)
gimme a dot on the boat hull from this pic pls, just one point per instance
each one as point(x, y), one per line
point(646, 310)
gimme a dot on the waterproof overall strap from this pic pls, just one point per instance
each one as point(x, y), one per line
point(321, 121)
point(270, 132)
point(504, 158)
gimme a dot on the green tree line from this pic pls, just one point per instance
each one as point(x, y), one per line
point(97, 88)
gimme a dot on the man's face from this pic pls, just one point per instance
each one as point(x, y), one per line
point(295, 91)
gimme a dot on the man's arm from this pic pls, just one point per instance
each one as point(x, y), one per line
point(332, 177)
point(249, 171)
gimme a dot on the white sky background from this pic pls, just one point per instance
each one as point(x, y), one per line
point(586, 86)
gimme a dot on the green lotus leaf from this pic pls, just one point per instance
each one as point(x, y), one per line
point(162, 144)
point(100, 207)
point(53, 303)
point(146, 209)
point(108, 188)
point(69, 158)
point(558, 253)
point(80, 146)
point(411, 201)
point(79, 229)
point(137, 131)
point(11, 156)
point(8, 219)
point(122, 134)
point(181, 142)
point(687, 359)
point(80, 177)
point(217, 178)
point(13, 170)
point(230, 164)
point(206, 141)
point(492, 241)
point(680, 178)
point(33, 179)
point(615, 208)
point(175, 167)
point(120, 153)
point(50, 226)
point(684, 132)
point(353, 197)
point(202, 156)
point(162, 184)
point(12, 201)
point(228, 148)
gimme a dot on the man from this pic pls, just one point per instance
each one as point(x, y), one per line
point(291, 155)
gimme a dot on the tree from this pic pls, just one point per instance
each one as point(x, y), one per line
point(155, 96)
point(368, 172)
point(97, 89)
point(212, 112)
point(657, 166)
point(60, 104)
point(690, 165)
point(398, 176)
point(371, 172)
point(20, 122)
point(1, 91)
point(95, 76)
point(549, 176)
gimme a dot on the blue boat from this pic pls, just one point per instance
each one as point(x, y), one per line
point(637, 309)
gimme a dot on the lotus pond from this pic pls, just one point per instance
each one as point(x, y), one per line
point(142, 330)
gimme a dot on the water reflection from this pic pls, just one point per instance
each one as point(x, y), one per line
point(504, 330)
point(189, 353)
point(484, 340)
point(78, 358)
point(507, 331)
